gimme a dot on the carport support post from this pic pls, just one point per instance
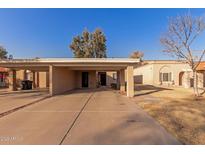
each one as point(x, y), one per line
point(51, 80)
point(118, 80)
point(37, 79)
point(122, 80)
point(25, 75)
point(34, 79)
point(130, 82)
point(12, 80)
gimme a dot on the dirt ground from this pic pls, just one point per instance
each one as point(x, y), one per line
point(176, 109)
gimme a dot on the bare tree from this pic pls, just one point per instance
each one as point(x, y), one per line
point(182, 32)
point(137, 54)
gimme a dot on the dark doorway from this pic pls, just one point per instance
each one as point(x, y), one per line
point(85, 79)
point(191, 82)
point(103, 78)
point(180, 78)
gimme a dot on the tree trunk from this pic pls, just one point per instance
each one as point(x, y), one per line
point(195, 78)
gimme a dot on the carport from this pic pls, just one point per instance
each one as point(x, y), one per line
point(72, 73)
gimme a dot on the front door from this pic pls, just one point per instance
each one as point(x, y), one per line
point(180, 78)
point(85, 79)
point(103, 79)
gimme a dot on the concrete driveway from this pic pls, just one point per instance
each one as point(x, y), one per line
point(13, 100)
point(99, 116)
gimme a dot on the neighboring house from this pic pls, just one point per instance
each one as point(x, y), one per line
point(167, 72)
point(3, 77)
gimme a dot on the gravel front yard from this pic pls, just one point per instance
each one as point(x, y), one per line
point(177, 110)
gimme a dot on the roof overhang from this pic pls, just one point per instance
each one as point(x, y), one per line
point(72, 63)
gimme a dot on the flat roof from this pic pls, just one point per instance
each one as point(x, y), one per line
point(72, 60)
point(75, 63)
point(165, 61)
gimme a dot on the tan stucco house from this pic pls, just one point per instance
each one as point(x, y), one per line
point(168, 72)
point(64, 74)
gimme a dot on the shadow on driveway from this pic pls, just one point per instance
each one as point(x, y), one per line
point(148, 89)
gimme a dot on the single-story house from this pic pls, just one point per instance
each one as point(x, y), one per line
point(63, 74)
point(168, 72)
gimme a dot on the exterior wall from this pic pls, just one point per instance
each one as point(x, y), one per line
point(201, 79)
point(92, 83)
point(175, 69)
point(19, 77)
point(110, 79)
point(187, 81)
point(92, 79)
point(150, 73)
point(144, 74)
point(61, 80)
point(43, 79)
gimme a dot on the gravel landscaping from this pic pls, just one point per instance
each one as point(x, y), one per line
point(177, 110)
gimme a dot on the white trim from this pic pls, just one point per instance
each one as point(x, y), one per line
point(186, 70)
point(73, 60)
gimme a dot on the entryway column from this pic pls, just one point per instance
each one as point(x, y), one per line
point(130, 82)
point(47, 79)
point(122, 80)
point(12, 80)
point(186, 80)
point(25, 75)
point(118, 80)
point(34, 79)
point(37, 79)
point(51, 90)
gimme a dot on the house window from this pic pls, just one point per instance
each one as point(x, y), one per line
point(165, 77)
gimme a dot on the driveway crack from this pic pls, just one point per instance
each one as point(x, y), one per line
point(22, 107)
point(76, 118)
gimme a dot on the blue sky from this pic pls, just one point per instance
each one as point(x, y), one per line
point(48, 32)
